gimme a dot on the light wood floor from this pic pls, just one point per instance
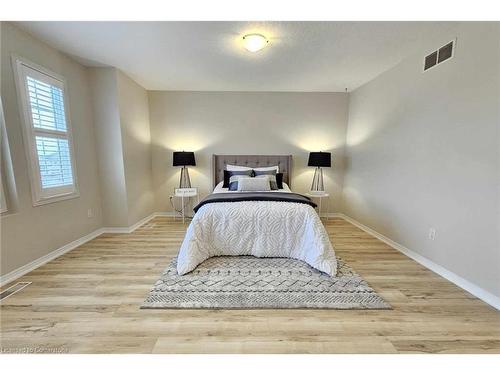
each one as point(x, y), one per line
point(87, 301)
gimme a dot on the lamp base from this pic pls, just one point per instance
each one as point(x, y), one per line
point(184, 182)
point(317, 184)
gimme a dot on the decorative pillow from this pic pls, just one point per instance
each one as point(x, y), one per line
point(275, 167)
point(272, 177)
point(227, 175)
point(254, 184)
point(234, 176)
point(279, 180)
point(230, 167)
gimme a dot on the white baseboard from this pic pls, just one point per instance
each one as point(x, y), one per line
point(166, 214)
point(472, 288)
point(331, 215)
point(131, 228)
point(475, 290)
point(23, 270)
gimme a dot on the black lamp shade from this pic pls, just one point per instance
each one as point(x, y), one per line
point(182, 158)
point(320, 159)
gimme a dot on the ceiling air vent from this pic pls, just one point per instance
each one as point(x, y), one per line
point(441, 55)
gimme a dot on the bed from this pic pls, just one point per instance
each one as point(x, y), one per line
point(278, 223)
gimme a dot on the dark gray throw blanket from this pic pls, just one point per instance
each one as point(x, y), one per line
point(255, 196)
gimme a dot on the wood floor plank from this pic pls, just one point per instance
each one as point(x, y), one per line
point(87, 301)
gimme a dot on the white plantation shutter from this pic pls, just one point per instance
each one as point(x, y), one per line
point(47, 105)
point(55, 162)
point(48, 134)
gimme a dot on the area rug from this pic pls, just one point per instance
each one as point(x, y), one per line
point(246, 282)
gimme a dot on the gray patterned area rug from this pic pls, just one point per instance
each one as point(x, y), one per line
point(246, 282)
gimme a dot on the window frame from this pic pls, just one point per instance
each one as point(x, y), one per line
point(3, 201)
point(40, 195)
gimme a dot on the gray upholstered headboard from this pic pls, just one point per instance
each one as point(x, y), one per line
point(252, 161)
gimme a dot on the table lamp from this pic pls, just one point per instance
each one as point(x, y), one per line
point(319, 160)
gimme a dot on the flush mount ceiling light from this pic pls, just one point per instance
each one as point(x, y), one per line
point(254, 42)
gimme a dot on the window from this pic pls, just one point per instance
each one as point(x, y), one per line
point(49, 148)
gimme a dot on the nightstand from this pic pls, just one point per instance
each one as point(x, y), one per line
point(186, 193)
point(321, 196)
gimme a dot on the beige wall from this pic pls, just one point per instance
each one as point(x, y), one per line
point(113, 159)
point(245, 123)
point(423, 151)
point(136, 141)
point(121, 116)
point(106, 114)
point(30, 232)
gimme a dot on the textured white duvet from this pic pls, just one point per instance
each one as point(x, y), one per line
point(261, 229)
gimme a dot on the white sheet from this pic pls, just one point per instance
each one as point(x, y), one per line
point(261, 229)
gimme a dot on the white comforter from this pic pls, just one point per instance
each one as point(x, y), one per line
point(261, 229)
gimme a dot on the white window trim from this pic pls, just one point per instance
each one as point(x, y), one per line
point(38, 195)
point(3, 202)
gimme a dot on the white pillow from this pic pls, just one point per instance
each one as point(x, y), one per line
point(277, 168)
point(254, 184)
point(230, 167)
point(219, 187)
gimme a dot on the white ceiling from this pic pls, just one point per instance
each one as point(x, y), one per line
point(208, 56)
